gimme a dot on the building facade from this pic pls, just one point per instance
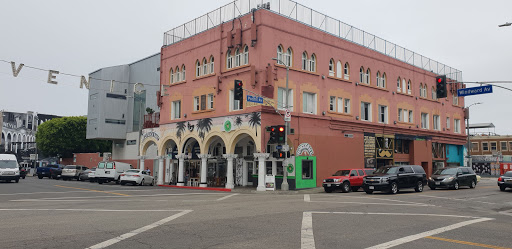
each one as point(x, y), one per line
point(351, 106)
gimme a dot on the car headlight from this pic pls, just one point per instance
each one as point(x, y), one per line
point(448, 179)
point(336, 180)
point(430, 179)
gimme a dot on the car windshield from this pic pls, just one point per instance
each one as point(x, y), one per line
point(132, 171)
point(70, 167)
point(447, 171)
point(342, 173)
point(508, 173)
point(386, 170)
point(8, 164)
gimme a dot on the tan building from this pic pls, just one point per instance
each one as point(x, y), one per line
point(489, 144)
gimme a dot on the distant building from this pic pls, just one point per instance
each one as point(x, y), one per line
point(491, 153)
point(119, 113)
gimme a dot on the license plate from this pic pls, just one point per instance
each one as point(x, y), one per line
point(328, 185)
point(107, 172)
point(438, 183)
point(371, 187)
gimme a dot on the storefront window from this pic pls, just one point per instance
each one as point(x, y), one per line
point(307, 169)
point(279, 168)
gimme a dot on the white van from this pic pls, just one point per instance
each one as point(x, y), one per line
point(110, 171)
point(9, 168)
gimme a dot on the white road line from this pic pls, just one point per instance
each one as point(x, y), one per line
point(82, 191)
point(307, 198)
point(384, 199)
point(307, 239)
point(90, 210)
point(428, 233)
point(225, 197)
point(455, 199)
point(377, 203)
point(111, 196)
point(137, 231)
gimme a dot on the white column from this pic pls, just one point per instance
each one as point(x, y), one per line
point(204, 167)
point(161, 172)
point(245, 173)
point(274, 167)
point(230, 183)
point(261, 170)
point(168, 169)
point(141, 164)
point(181, 158)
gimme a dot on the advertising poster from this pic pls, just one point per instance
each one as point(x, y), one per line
point(270, 182)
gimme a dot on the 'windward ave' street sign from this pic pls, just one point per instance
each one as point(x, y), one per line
point(474, 90)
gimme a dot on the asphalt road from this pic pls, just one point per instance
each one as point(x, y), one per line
point(48, 213)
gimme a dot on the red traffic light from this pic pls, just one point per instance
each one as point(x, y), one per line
point(439, 80)
point(240, 83)
point(272, 129)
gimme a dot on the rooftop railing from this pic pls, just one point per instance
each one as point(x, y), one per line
point(312, 18)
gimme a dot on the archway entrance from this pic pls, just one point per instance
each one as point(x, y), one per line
point(192, 164)
point(217, 164)
point(245, 168)
point(170, 150)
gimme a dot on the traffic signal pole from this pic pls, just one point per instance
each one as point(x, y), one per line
point(284, 185)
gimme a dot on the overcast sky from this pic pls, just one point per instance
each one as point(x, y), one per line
point(79, 37)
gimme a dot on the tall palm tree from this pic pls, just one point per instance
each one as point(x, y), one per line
point(238, 121)
point(181, 128)
point(255, 121)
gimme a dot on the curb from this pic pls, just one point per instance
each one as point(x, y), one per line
point(198, 188)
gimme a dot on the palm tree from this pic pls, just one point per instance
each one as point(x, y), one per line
point(255, 121)
point(181, 128)
point(204, 126)
point(238, 121)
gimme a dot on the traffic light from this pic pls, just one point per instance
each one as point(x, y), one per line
point(281, 129)
point(238, 92)
point(441, 87)
point(273, 134)
point(281, 154)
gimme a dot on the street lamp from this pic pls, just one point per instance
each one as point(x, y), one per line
point(505, 25)
point(467, 128)
point(284, 185)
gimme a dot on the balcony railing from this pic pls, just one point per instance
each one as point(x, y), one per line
point(312, 18)
point(152, 120)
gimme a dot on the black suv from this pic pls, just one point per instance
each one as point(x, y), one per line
point(394, 178)
point(452, 177)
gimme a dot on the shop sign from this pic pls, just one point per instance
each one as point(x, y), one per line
point(228, 125)
point(270, 182)
point(151, 134)
point(369, 151)
point(290, 168)
point(305, 148)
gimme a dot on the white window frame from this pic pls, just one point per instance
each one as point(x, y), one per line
point(490, 145)
point(383, 114)
point(473, 147)
point(436, 122)
point(501, 146)
point(346, 108)
point(280, 55)
point(424, 120)
point(485, 144)
point(229, 60)
point(456, 125)
point(346, 71)
point(332, 103)
point(331, 68)
point(305, 64)
point(196, 103)
point(434, 94)
point(409, 90)
point(205, 66)
point(177, 74)
point(198, 68)
point(339, 69)
point(245, 57)
point(312, 63)
point(367, 76)
point(398, 84)
point(365, 106)
point(400, 115)
point(361, 75)
point(309, 101)
point(234, 105)
point(447, 122)
point(171, 74)
point(288, 57)
point(339, 107)
point(455, 99)
point(210, 101)
point(411, 116)
point(176, 110)
point(183, 75)
point(212, 65)
point(237, 58)
point(282, 100)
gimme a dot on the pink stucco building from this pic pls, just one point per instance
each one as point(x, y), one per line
point(355, 103)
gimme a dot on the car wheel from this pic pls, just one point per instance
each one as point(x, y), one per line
point(17, 180)
point(123, 183)
point(355, 189)
point(328, 190)
point(456, 185)
point(393, 188)
point(100, 181)
point(368, 191)
point(345, 187)
point(23, 177)
point(502, 188)
point(473, 184)
point(40, 176)
point(419, 187)
point(142, 182)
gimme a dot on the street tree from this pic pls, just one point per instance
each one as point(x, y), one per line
point(65, 136)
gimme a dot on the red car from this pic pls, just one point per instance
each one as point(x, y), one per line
point(346, 179)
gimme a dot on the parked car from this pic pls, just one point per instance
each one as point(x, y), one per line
point(394, 178)
point(87, 175)
point(72, 172)
point(110, 171)
point(50, 171)
point(452, 177)
point(346, 179)
point(505, 181)
point(137, 177)
point(9, 168)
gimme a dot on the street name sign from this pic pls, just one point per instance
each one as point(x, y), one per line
point(255, 99)
point(474, 90)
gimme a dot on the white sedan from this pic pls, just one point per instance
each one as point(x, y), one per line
point(136, 177)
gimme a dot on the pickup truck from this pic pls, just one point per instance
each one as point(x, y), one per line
point(346, 179)
point(50, 171)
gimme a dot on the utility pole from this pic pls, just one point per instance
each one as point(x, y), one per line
point(285, 186)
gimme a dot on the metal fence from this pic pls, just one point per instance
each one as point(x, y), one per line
point(312, 18)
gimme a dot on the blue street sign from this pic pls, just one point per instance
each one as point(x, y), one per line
point(254, 99)
point(278, 147)
point(474, 90)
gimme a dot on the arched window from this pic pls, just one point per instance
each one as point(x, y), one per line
point(346, 71)
point(383, 80)
point(368, 73)
point(246, 56)
point(338, 69)
point(421, 89)
point(378, 79)
point(409, 91)
point(229, 59)
point(237, 57)
point(212, 67)
point(183, 73)
point(171, 76)
point(289, 57)
point(398, 88)
point(177, 74)
point(434, 94)
point(331, 67)
point(425, 91)
point(361, 75)
point(404, 86)
point(198, 68)
point(280, 55)
point(312, 63)
point(305, 61)
point(205, 67)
